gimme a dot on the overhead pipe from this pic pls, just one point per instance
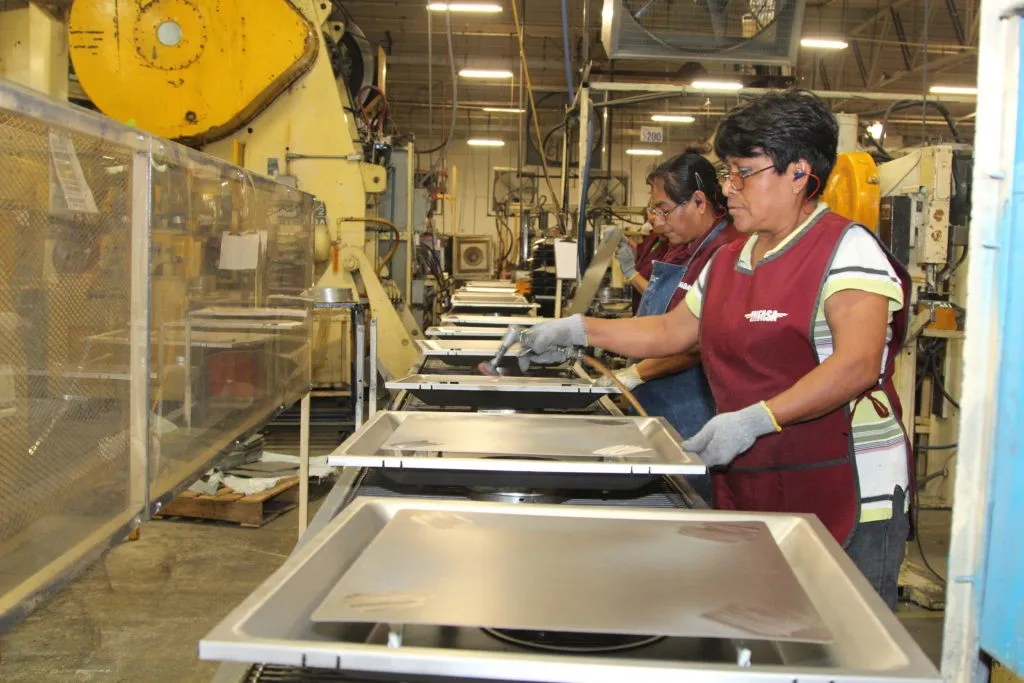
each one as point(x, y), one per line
point(666, 90)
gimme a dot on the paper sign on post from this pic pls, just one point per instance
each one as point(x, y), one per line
point(239, 252)
point(566, 260)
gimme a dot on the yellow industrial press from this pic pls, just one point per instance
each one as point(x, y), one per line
point(253, 83)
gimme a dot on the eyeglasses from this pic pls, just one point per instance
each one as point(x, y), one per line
point(656, 212)
point(739, 178)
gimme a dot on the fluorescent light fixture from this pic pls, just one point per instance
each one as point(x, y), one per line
point(485, 73)
point(644, 152)
point(717, 85)
point(672, 118)
point(482, 7)
point(875, 130)
point(824, 43)
point(483, 142)
point(505, 110)
point(952, 90)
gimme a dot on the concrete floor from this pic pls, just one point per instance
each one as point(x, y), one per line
point(138, 614)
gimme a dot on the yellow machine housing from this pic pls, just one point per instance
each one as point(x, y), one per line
point(186, 69)
point(853, 189)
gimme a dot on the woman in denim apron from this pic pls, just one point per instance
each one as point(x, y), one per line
point(688, 207)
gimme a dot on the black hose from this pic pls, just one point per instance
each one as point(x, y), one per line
point(900, 105)
point(882, 151)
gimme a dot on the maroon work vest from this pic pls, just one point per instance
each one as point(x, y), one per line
point(757, 340)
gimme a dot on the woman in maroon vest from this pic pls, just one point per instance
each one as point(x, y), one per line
point(805, 317)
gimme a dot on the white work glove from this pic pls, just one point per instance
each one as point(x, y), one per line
point(549, 343)
point(627, 258)
point(727, 435)
point(629, 376)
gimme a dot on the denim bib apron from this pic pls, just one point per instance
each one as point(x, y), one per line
point(684, 399)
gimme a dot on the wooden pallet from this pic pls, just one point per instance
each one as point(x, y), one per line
point(228, 505)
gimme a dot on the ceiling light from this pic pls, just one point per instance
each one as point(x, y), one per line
point(875, 130)
point(824, 43)
point(486, 7)
point(672, 118)
point(485, 73)
point(643, 152)
point(717, 85)
point(952, 90)
point(505, 110)
point(483, 142)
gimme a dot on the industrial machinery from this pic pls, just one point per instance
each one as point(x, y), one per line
point(441, 555)
point(286, 83)
point(924, 219)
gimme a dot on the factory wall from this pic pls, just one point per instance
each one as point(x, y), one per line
point(470, 213)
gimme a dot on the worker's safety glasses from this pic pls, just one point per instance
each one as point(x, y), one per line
point(660, 213)
point(739, 178)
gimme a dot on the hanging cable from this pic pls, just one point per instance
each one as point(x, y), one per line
point(533, 111)
point(455, 90)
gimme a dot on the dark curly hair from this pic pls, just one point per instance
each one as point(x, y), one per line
point(788, 126)
point(684, 174)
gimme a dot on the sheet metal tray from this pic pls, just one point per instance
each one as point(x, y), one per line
point(491, 320)
point(636, 572)
point(490, 284)
point(517, 443)
point(465, 332)
point(496, 297)
point(517, 393)
point(514, 307)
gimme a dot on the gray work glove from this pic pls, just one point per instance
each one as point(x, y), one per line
point(549, 343)
point(727, 435)
point(627, 258)
point(629, 376)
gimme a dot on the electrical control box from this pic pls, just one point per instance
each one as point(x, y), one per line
point(895, 225)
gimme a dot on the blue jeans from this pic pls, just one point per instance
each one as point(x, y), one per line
point(877, 549)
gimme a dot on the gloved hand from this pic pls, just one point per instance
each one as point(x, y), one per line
point(727, 435)
point(627, 258)
point(629, 376)
point(549, 343)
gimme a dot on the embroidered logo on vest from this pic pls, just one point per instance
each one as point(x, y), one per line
point(685, 286)
point(764, 316)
